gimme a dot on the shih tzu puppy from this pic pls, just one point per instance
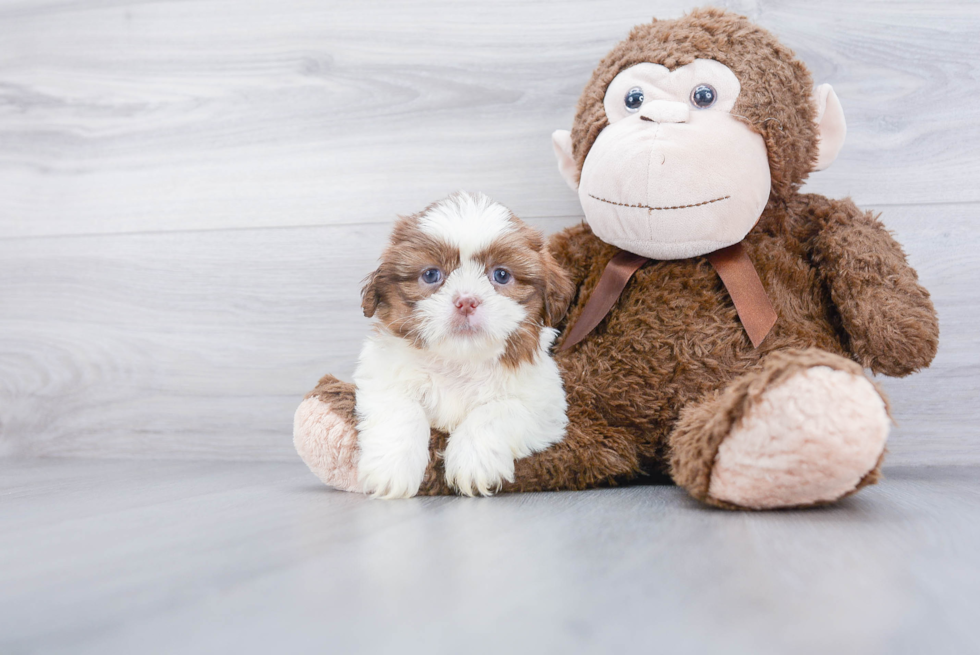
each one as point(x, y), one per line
point(463, 302)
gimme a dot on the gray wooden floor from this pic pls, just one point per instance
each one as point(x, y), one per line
point(202, 557)
point(190, 193)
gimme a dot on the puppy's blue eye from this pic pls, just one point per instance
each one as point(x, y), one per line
point(501, 276)
point(703, 96)
point(633, 99)
point(431, 276)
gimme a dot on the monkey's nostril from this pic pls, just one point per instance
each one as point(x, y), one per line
point(665, 111)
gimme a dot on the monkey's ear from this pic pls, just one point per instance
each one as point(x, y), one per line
point(562, 141)
point(830, 126)
point(370, 298)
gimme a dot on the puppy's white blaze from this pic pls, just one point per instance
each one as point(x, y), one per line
point(468, 221)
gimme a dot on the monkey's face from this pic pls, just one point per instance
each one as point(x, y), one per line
point(674, 174)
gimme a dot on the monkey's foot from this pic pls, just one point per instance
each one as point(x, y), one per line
point(327, 441)
point(810, 440)
point(807, 429)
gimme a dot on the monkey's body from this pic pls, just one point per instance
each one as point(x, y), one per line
point(669, 381)
point(673, 343)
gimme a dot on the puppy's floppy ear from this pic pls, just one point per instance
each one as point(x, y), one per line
point(370, 297)
point(558, 289)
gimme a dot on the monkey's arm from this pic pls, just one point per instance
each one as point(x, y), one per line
point(575, 249)
point(887, 314)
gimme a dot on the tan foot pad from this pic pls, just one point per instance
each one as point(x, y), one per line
point(809, 440)
point(327, 444)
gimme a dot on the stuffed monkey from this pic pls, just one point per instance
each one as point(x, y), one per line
point(723, 320)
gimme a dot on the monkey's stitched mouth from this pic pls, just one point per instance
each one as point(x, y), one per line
point(654, 209)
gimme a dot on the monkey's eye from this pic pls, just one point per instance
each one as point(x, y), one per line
point(501, 276)
point(431, 276)
point(703, 96)
point(633, 99)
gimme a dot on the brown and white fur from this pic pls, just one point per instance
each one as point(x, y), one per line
point(463, 301)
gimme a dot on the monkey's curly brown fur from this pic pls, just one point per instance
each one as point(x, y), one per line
point(661, 381)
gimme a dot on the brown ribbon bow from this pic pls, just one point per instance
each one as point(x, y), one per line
point(733, 267)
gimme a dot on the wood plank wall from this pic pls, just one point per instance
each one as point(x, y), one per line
point(190, 192)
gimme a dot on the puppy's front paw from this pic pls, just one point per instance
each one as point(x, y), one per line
point(391, 473)
point(476, 466)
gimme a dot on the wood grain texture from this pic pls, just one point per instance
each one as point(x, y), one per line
point(190, 344)
point(145, 115)
point(200, 344)
point(190, 192)
point(162, 557)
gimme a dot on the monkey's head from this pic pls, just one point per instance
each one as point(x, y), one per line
point(688, 127)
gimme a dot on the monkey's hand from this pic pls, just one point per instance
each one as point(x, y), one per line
point(887, 314)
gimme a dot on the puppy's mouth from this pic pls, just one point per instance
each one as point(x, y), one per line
point(464, 327)
point(657, 209)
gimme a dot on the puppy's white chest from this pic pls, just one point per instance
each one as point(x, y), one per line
point(449, 394)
